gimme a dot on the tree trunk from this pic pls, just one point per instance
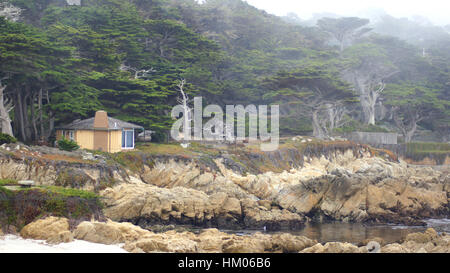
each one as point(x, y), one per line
point(19, 119)
point(331, 112)
point(26, 118)
point(341, 47)
point(4, 114)
point(410, 133)
point(34, 118)
point(317, 129)
point(409, 129)
point(368, 101)
point(41, 119)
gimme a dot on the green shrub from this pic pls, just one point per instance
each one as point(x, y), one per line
point(418, 151)
point(4, 138)
point(67, 145)
point(8, 182)
point(356, 126)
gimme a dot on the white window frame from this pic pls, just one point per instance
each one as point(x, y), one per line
point(125, 140)
point(72, 135)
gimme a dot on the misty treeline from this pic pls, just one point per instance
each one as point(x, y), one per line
point(59, 63)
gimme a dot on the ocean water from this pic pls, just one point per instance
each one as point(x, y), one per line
point(15, 244)
point(357, 232)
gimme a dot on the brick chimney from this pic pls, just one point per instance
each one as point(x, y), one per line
point(101, 120)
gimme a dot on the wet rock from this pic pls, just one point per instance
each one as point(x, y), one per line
point(160, 228)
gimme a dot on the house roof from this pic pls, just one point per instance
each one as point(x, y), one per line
point(88, 124)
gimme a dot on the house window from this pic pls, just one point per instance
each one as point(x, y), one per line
point(128, 139)
point(68, 134)
point(72, 135)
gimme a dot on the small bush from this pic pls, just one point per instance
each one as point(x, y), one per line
point(4, 138)
point(67, 145)
point(356, 126)
point(7, 181)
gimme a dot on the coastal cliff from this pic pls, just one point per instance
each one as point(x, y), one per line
point(242, 188)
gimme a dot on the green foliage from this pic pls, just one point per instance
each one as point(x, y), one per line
point(413, 95)
point(65, 62)
point(69, 192)
point(23, 206)
point(344, 28)
point(67, 145)
point(4, 182)
point(356, 126)
point(4, 138)
point(428, 147)
point(435, 151)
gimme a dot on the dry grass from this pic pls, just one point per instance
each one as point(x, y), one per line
point(64, 158)
point(54, 157)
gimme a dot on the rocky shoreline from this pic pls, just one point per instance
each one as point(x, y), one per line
point(284, 190)
point(134, 239)
point(342, 187)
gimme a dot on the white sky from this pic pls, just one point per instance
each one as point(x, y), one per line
point(437, 11)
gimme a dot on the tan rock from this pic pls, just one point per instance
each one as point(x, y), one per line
point(109, 232)
point(128, 201)
point(426, 242)
point(212, 240)
point(290, 243)
point(132, 248)
point(62, 237)
point(335, 247)
point(232, 206)
point(265, 203)
point(317, 248)
point(422, 238)
point(394, 248)
point(243, 245)
point(101, 233)
point(165, 243)
point(44, 229)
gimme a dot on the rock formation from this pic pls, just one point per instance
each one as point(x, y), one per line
point(342, 187)
point(53, 229)
point(245, 190)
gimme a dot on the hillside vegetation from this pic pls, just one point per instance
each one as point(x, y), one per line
point(60, 62)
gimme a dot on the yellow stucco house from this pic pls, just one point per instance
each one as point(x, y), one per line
point(101, 133)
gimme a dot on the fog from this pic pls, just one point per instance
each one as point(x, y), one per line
point(436, 11)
